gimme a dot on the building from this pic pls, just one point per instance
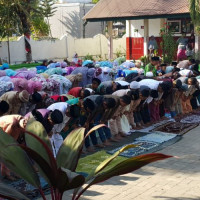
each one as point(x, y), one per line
point(143, 19)
point(68, 20)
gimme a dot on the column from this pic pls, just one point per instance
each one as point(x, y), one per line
point(128, 40)
point(146, 36)
point(110, 40)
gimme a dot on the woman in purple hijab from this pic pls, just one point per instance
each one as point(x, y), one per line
point(87, 74)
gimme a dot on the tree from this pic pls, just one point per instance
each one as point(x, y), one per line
point(195, 11)
point(195, 15)
point(10, 21)
point(24, 17)
point(48, 10)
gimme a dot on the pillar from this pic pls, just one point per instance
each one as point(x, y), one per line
point(146, 36)
point(128, 40)
point(197, 45)
point(110, 40)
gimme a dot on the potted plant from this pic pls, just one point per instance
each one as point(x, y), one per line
point(60, 172)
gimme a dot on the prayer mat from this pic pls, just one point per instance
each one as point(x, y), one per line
point(142, 148)
point(89, 163)
point(158, 137)
point(27, 189)
point(176, 128)
point(152, 127)
point(192, 119)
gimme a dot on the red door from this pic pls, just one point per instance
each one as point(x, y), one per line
point(134, 48)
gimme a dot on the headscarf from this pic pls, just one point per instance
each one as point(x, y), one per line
point(134, 85)
point(86, 62)
point(24, 96)
point(98, 72)
point(90, 75)
point(149, 74)
point(106, 74)
point(83, 71)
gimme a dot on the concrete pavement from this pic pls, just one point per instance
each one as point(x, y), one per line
point(171, 179)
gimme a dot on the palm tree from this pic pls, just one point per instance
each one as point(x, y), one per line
point(195, 15)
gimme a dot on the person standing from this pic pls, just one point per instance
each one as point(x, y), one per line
point(152, 45)
point(182, 44)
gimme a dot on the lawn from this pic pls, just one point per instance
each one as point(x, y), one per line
point(14, 67)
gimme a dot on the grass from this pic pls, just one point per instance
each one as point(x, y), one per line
point(14, 67)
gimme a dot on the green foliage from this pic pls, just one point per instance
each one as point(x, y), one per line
point(119, 52)
point(168, 45)
point(145, 60)
point(10, 21)
point(195, 11)
point(47, 8)
point(39, 27)
point(22, 17)
point(95, 1)
point(88, 57)
point(11, 193)
point(61, 173)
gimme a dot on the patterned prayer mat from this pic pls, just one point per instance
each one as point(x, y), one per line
point(192, 119)
point(149, 144)
point(158, 137)
point(142, 148)
point(176, 128)
point(27, 189)
point(153, 126)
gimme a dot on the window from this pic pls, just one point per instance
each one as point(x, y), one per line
point(174, 26)
point(183, 25)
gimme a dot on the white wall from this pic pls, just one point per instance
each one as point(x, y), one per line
point(49, 49)
point(98, 46)
point(136, 30)
point(68, 20)
point(154, 28)
point(17, 50)
point(62, 48)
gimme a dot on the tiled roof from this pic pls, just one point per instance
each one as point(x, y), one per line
point(111, 9)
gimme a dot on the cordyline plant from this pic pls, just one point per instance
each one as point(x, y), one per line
point(60, 173)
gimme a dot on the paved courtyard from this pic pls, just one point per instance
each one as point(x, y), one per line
point(172, 179)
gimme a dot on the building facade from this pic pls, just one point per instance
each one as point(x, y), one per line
point(139, 31)
point(68, 20)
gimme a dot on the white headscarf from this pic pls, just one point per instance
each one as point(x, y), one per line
point(106, 74)
point(134, 85)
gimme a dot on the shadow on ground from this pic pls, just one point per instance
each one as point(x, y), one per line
point(119, 180)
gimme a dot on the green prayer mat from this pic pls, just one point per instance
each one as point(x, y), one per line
point(90, 163)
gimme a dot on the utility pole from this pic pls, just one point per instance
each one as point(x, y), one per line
point(8, 32)
point(84, 23)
